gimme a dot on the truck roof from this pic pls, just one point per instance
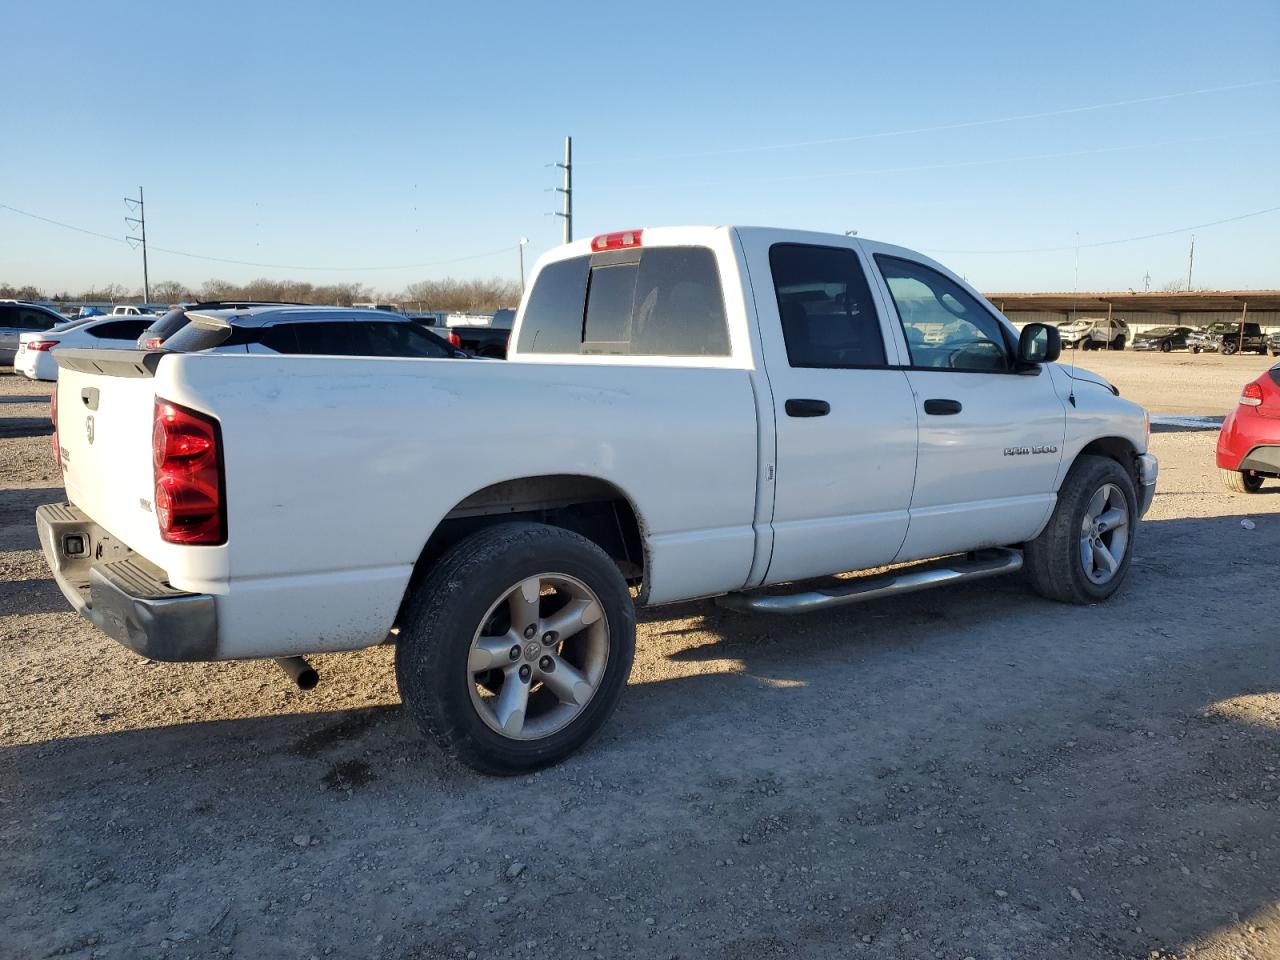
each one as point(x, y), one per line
point(695, 235)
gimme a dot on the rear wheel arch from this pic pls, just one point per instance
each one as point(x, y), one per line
point(592, 507)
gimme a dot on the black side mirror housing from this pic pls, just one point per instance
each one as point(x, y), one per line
point(1038, 343)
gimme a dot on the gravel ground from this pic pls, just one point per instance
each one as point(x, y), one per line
point(969, 773)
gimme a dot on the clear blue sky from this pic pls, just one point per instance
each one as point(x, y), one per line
point(387, 134)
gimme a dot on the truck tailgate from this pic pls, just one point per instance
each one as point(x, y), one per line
point(105, 410)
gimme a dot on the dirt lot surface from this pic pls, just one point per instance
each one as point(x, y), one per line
point(974, 772)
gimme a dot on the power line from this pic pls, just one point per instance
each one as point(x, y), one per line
point(250, 263)
point(991, 121)
point(913, 168)
point(1112, 243)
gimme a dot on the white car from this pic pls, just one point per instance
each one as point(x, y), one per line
point(1094, 333)
point(686, 412)
point(35, 358)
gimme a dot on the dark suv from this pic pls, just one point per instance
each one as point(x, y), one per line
point(173, 321)
point(18, 317)
point(1227, 339)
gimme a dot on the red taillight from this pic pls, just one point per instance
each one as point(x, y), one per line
point(455, 340)
point(53, 415)
point(1251, 395)
point(185, 447)
point(619, 240)
point(152, 343)
point(41, 345)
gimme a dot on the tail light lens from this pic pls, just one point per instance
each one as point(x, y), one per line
point(187, 452)
point(152, 343)
point(39, 346)
point(1251, 395)
point(53, 415)
point(455, 340)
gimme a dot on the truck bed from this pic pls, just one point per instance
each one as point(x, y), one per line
point(338, 469)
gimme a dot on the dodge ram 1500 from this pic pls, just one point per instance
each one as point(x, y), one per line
point(687, 412)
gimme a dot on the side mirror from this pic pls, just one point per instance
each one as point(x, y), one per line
point(1039, 343)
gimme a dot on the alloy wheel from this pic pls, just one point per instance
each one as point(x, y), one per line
point(1104, 534)
point(538, 656)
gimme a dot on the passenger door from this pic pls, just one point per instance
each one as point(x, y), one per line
point(844, 415)
point(990, 435)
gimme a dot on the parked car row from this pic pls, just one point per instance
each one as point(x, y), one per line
point(238, 327)
point(1101, 333)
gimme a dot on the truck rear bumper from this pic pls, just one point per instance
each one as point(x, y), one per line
point(125, 596)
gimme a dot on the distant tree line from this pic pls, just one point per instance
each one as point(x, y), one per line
point(470, 296)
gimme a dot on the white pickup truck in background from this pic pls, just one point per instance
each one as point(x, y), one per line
point(686, 412)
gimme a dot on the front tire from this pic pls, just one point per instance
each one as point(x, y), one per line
point(1238, 482)
point(516, 647)
point(1082, 555)
point(1228, 348)
point(1120, 343)
point(1166, 346)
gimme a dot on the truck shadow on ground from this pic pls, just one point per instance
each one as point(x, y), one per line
point(966, 741)
point(25, 427)
point(18, 515)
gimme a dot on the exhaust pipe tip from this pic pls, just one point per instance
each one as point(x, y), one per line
point(299, 671)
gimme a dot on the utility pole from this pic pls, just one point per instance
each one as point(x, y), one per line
point(521, 246)
point(567, 190)
point(1146, 282)
point(1191, 260)
point(140, 221)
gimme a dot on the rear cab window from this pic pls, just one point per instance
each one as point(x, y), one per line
point(646, 302)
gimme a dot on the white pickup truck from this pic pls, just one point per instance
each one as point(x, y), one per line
point(687, 412)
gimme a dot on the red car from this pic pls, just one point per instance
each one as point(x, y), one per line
point(1249, 444)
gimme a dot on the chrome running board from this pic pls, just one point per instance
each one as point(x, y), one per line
point(973, 566)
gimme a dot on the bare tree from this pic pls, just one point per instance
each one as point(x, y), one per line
point(28, 292)
point(469, 296)
point(169, 291)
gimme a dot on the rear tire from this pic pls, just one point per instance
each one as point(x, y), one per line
point(466, 610)
point(1095, 489)
point(1238, 482)
point(1166, 347)
point(1195, 349)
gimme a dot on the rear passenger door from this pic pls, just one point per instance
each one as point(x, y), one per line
point(844, 415)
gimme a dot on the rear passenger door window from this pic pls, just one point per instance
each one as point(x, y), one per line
point(828, 316)
point(946, 328)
